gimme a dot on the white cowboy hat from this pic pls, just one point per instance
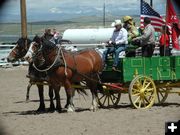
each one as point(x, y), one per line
point(116, 22)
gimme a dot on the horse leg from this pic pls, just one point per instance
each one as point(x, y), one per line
point(28, 89)
point(41, 97)
point(93, 88)
point(57, 96)
point(52, 107)
point(70, 93)
point(67, 100)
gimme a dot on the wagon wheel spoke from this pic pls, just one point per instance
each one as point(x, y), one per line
point(146, 100)
point(144, 83)
point(144, 103)
point(101, 97)
point(114, 96)
point(149, 89)
point(137, 94)
point(104, 100)
point(137, 99)
point(161, 93)
point(112, 100)
point(135, 90)
point(108, 101)
point(139, 83)
point(158, 97)
point(147, 85)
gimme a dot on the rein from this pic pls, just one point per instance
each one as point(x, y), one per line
point(44, 70)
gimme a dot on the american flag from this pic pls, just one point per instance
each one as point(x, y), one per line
point(148, 11)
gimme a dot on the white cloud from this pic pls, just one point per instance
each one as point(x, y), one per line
point(99, 9)
point(55, 10)
point(78, 12)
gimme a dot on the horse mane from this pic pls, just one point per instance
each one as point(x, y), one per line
point(21, 41)
point(37, 39)
point(47, 45)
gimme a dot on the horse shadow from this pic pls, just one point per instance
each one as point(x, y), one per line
point(34, 100)
point(79, 110)
point(35, 112)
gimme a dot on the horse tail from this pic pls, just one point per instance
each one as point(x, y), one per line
point(80, 91)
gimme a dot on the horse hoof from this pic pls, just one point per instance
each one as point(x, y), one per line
point(41, 110)
point(66, 106)
point(94, 109)
point(70, 109)
point(50, 110)
point(27, 100)
point(59, 110)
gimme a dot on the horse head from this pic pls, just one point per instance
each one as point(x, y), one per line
point(19, 49)
point(39, 50)
point(33, 49)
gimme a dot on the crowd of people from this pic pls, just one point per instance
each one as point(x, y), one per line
point(126, 33)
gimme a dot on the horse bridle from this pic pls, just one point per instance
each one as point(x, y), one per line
point(45, 70)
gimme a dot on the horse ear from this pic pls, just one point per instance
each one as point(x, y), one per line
point(19, 41)
point(29, 41)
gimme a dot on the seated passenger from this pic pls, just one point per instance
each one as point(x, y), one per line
point(117, 43)
point(164, 41)
point(133, 32)
point(130, 27)
point(47, 34)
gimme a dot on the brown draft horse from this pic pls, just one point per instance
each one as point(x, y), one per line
point(18, 52)
point(73, 67)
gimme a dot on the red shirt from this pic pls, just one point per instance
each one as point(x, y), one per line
point(162, 40)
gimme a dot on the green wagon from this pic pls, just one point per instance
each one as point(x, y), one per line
point(146, 80)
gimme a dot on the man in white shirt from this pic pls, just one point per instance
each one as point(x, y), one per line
point(117, 43)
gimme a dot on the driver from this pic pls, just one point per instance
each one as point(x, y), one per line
point(117, 43)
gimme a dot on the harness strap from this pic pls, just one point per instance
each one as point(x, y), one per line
point(44, 70)
point(65, 64)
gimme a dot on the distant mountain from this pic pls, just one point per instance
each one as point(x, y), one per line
point(51, 22)
point(81, 19)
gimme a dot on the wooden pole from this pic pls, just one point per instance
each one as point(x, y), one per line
point(151, 3)
point(23, 19)
point(104, 14)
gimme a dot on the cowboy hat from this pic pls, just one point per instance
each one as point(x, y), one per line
point(127, 18)
point(116, 22)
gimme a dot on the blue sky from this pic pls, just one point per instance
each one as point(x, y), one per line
point(60, 10)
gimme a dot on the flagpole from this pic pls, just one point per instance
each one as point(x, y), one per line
point(151, 3)
point(104, 14)
point(140, 11)
point(165, 29)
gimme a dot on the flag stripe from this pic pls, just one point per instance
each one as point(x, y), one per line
point(148, 11)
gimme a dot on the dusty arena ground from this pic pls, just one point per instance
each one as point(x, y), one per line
point(19, 118)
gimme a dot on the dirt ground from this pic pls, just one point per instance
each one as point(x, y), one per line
point(19, 118)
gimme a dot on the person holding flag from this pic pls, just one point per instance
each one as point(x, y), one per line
point(148, 38)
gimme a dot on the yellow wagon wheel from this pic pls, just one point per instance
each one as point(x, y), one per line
point(162, 94)
point(142, 92)
point(108, 98)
